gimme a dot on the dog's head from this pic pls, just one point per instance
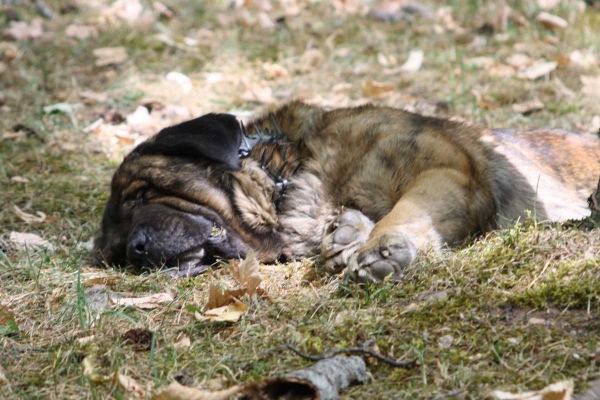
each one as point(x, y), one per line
point(173, 203)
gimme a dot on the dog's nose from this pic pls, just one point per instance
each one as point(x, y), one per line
point(137, 246)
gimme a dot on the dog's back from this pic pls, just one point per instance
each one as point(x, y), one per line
point(563, 168)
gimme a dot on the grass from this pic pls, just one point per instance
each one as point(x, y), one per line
point(521, 305)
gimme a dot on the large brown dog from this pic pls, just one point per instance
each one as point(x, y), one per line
point(366, 187)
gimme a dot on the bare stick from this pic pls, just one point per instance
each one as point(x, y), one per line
point(348, 350)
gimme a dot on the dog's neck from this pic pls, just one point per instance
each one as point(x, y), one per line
point(276, 156)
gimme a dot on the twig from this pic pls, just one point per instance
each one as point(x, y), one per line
point(44, 9)
point(449, 394)
point(348, 350)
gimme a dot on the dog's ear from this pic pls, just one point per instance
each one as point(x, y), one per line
point(215, 137)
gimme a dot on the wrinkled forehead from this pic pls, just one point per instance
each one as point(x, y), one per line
point(176, 180)
point(137, 170)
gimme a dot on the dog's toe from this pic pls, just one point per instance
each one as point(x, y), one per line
point(388, 254)
point(344, 236)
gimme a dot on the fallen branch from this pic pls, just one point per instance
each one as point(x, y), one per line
point(352, 350)
point(349, 350)
point(321, 381)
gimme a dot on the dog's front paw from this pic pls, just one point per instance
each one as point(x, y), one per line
point(382, 256)
point(343, 237)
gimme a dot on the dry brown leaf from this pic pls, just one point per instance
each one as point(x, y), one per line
point(350, 7)
point(219, 296)
point(591, 85)
point(223, 303)
point(246, 273)
point(375, 89)
point(446, 341)
point(176, 391)
point(172, 113)
point(245, 18)
point(480, 62)
point(16, 136)
point(536, 321)
point(312, 57)
point(131, 387)
point(342, 87)
point(85, 340)
point(97, 299)
point(54, 299)
point(110, 55)
point(182, 80)
point(275, 71)
point(290, 7)
point(236, 307)
point(502, 17)
point(257, 92)
point(163, 10)
point(583, 59)
point(81, 32)
point(88, 365)
point(410, 308)
point(100, 278)
point(551, 21)
point(25, 31)
point(91, 97)
point(519, 61)
point(398, 11)
point(265, 22)
point(5, 315)
point(538, 70)
point(562, 390)
point(501, 70)
point(8, 50)
point(528, 107)
point(125, 10)
point(29, 218)
point(548, 4)
point(19, 179)
point(146, 302)
point(444, 17)
point(115, 134)
point(385, 60)
point(563, 60)
point(183, 343)
point(68, 147)
point(30, 240)
point(478, 43)
point(414, 61)
point(141, 121)
point(229, 313)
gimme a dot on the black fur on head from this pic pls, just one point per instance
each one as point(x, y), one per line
point(215, 137)
point(141, 228)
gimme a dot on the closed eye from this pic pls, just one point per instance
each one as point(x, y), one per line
point(142, 196)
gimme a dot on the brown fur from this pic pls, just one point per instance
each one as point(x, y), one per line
point(423, 182)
